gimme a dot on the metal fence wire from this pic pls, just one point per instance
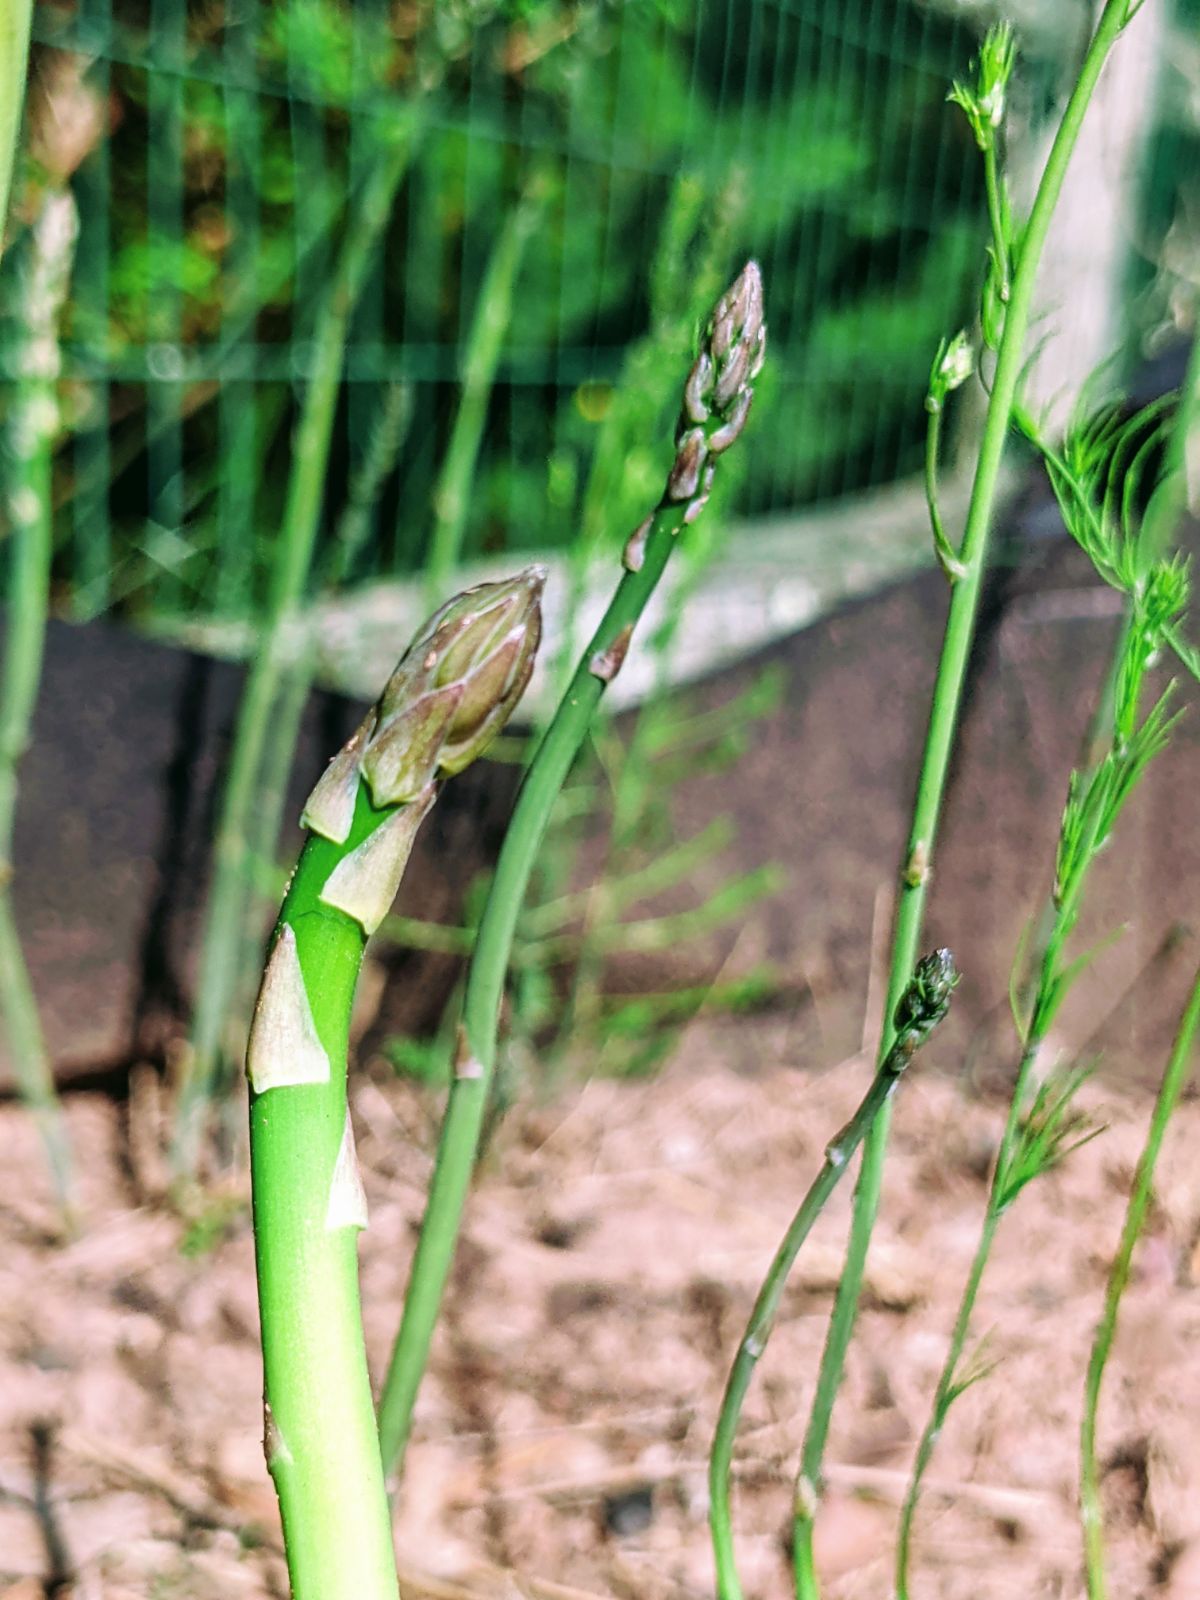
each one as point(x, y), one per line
point(221, 154)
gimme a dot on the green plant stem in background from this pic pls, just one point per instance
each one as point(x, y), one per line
point(952, 366)
point(1157, 536)
point(489, 326)
point(15, 18)
point(923, 1006)
point(33, 423)
point(716, 402)
point(1037, 1137)
point(948, 1379)
point(447, 699)
point(276, 654)
point(685, 278)
point(947, 559)
point(389, 430)
point(964, 602)
point(1118, 1278)
point(997, 217)
point(485, 985)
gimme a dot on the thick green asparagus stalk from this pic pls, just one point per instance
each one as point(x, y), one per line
point(447, 699)
point(32, 426)
point(951, 673)
point(301, 520)
point(922, 1006)
point(716, 403)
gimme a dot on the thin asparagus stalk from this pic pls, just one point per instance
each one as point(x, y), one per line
point(274, 659)
point(952, 366)
point(389, 428)
point(923, 1005)
point(15, 19)
point(947, 692)
point(1037, 1137)
point(1161, 523)
point(447, 699)
point(32, 427)
point(490, 324)
point(1135, 1216)
point(717, 398)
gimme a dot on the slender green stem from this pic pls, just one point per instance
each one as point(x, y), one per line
point(922, 1007)
point(924, 1003)
point(717, 399)
point(946, 554)
point(389, 430)
point(489, 326)
point(841, 1325)
point(762, 1320)
point(29, 488)
point(962, 1326)
point(485, 986)
point(996, 219)
point(276, 655)
point(964, 601)
point(1094, 803)
point(663, 871)
point(729, 900)
point(1135, 1215)
point(15, 18)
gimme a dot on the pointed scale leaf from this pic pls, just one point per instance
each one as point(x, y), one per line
point(329, 809)
point(364, 883)
point(284, 1048)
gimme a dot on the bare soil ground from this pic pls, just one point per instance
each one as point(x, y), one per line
point(614, 1244)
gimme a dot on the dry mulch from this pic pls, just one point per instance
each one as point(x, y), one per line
point(613, 1247)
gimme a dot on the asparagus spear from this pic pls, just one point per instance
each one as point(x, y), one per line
point(33, 424)
point(449, 696)
point(716, 403)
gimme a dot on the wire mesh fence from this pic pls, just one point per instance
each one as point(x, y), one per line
point(218, 153)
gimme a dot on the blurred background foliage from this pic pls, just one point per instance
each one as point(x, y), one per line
point(420, 277)
point(214, 151)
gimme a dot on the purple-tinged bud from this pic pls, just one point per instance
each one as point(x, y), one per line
point(725, 435)
point(750, 301)
point(492, 691)
point(738, 317)
point(633, 557)
point(405, 750)
point(697, 391)
point(760, 354)
point(723, 328)
point(732, 377)
point(605, 664)
point(456, 686)
point(684, 479)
